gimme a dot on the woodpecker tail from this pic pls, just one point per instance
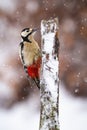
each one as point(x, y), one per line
point(37, 82)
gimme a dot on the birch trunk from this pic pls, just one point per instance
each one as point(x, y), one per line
point(49, 91)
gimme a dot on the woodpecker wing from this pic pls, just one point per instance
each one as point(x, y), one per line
point(20, 52)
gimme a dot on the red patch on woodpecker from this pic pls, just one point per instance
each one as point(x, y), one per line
point(34, 70)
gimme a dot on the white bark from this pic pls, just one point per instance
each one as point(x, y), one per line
point(49, 91)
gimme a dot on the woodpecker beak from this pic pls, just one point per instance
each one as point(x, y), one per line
point(35, 29)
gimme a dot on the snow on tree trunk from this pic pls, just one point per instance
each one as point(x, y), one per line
point(49, 91)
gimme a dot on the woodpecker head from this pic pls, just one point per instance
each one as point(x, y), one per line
point(25, 33)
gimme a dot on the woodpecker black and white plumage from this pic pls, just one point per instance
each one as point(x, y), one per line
point(30, 55)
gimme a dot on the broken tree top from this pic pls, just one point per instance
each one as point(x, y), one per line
point(49, 32)
point(49, 26)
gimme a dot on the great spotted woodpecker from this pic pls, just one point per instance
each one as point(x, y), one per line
point(30, 55)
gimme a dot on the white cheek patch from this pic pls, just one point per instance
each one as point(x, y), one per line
point(24, 34)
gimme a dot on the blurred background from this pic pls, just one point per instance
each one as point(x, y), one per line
point(20, 102)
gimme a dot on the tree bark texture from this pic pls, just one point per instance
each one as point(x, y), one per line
point(49, 90)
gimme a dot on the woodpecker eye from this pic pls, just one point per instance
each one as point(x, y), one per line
point(27, 31)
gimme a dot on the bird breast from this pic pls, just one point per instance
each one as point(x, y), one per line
point(30, 53)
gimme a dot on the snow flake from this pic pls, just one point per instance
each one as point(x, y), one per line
point(78, 75)
point(76, 90)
